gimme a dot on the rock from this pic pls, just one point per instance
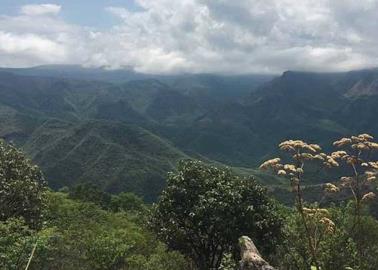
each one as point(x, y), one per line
point(250, 256)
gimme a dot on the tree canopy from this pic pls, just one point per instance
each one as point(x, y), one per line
point(21, 186)
point(204, 209)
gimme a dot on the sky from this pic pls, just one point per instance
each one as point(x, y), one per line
point(191, 36)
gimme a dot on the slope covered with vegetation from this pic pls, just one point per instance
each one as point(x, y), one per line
point(126, 135)
point(198, 221)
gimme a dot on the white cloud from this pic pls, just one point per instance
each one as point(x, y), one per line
point(43, 9)
point(19, 44)
point(238, 36)
point(252, 35)
point(34, 37)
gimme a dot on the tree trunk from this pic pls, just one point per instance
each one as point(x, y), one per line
point(250, 256)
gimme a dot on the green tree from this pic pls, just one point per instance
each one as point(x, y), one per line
point(83, 236)
point(89, 192)
point(127, 201)
point(204, 209)
point(22, 186)
point(16, 241)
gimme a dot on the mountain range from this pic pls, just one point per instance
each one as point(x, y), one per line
point(123, 130)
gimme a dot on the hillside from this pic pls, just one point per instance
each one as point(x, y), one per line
point(112, 155)
point(53, 120)
point(311, 106)
point(92, 131)
point(126, 136)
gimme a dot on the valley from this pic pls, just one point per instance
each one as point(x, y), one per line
point(123, 131)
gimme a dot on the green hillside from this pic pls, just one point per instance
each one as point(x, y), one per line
point(126, 136)
point(114, 156)
point(310, 106)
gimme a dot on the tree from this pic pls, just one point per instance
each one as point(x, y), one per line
point(204, 209)
point(89, 192)
point(128, 202)
point(86, 237)
point(22, 186)
point(16, 241)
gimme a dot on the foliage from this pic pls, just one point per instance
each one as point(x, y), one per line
point(315, 221)
point(128, 202)
point(228, 262)
point(204, 209)
point(21, 186)
point(337, 251)
point(89, 192)
point(81, 235)
point(122, 202)
point(357, 153)
point(15, 241)
point(356, 156)
point(162, 259)
point(337, 238)
point(75, 234)
point(95, 238)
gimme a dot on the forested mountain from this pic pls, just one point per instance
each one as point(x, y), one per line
point(315, 107)
point(123, 130)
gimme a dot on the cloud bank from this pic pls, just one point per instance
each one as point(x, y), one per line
point(241, 36)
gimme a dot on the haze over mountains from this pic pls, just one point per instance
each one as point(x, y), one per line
point(124, 130)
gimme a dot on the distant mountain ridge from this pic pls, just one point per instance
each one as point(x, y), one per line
point(183, 81)
point(89, 125)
